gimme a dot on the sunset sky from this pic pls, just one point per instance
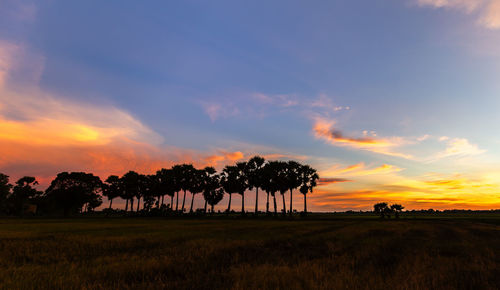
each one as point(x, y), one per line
point(390, 100)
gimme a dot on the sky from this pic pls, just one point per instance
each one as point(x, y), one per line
point(390, 100)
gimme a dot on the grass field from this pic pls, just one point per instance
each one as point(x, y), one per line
point(334, 252)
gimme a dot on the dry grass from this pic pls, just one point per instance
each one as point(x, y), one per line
point(248, 254)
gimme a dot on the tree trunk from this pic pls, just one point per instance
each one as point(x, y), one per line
point(192, 201)
point(256, 200)
point(205, 206)
point(162, 199)
point(132, 204)
point(243, 203)
point(171, 202)
point(275, 206)
point(177, 203)
point(126, 205)
point(138, 203)
point(183, 201)
point(110, 203)
point(291, 204)
point(267, 203)
point(305, 203)
point(284, 204)
point(229, 204)
point(212, 208)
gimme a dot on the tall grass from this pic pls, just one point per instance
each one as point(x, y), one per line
point(248, 254)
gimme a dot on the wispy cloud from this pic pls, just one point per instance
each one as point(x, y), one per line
point(360, 169)
point(18, 10)
point(456, 147)
point(488, 11)
point(326, 103)
point(328, 181)
point(325, 129)
point(219, 111)
point(259, 105)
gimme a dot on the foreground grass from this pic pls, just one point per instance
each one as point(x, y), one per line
point(339, 253)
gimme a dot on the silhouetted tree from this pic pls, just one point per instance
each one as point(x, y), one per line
point(281, 179)
point(308, 179)
point(270, 182)
point(214, 197)
point(112, 188)
point(144, 189)
point(177, 173)
point(5, 187)
point(196, 186)
point(381, 208)
point(233, 181)
point(397, 208)
point(253, 171)
point(130, 182)
point(294, 181)
point(185, 175)
point(168, 184)
point(212, 191)
point(150, 191)
point(70, 192)
point(23, 192)
point(243, 183)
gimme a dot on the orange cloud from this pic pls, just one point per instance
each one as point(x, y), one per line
point(324, 129)
point(42, 134)
point(491, 16)
point(223, 156)
point(328, 181)
point(488, 10)
point(360, 169)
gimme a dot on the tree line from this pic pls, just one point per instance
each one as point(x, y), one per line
point(78, 192)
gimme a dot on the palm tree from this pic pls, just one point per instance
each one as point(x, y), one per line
point(183, 174)
point(280, 173)
point(265, 184)
point(143, 189)
point(308, 180)
point(254, 174)
point(234, 181)
point(186, 176)
point(270, 182)
point(214, 197)
point(293, 169)
point(243, 183)
point(196, 185)
point(167, 184)
point(177, 177)
point(130, 187)
point(112, 188)
point(212, 191)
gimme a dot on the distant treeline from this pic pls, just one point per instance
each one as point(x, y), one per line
point(78, 192)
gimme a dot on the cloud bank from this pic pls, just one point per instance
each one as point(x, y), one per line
point(42, 134)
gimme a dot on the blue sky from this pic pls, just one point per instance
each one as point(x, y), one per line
point(407, 87)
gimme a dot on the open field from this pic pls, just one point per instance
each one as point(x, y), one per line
point(327, 252)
